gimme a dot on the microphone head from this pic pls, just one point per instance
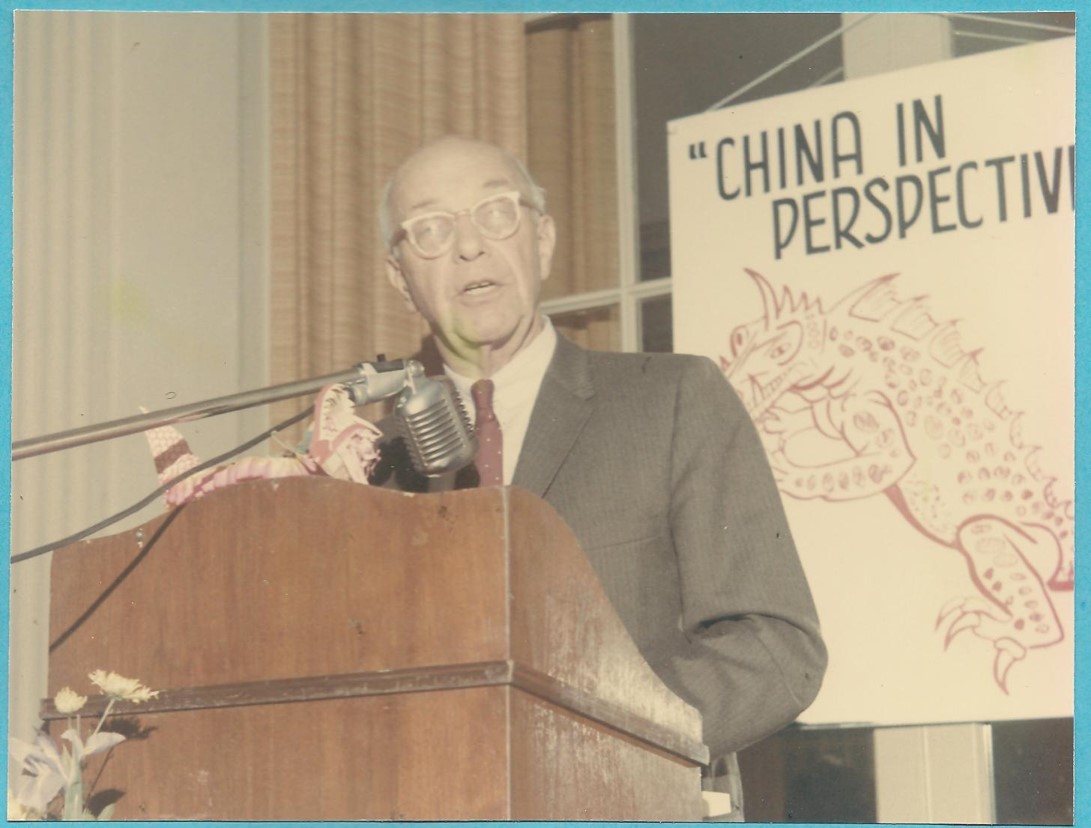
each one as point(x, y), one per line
point(433, 421)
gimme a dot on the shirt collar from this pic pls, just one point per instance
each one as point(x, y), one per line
point(526, 368)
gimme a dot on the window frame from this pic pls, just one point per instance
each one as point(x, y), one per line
point(630, 292)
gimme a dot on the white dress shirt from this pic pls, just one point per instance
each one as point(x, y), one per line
point(515, 388)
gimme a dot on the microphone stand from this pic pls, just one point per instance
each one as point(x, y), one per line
point(368, 381)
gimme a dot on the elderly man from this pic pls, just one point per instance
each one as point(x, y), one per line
point(650, 459)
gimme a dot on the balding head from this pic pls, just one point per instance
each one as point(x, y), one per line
point(451, 147)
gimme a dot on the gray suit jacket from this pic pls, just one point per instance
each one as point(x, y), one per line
point(654, 463)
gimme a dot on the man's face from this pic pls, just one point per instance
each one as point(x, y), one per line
point(482, 293)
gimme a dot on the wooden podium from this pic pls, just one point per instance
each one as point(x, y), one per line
point(329, 651)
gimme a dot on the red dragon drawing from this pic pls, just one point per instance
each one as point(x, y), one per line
point(874, 396)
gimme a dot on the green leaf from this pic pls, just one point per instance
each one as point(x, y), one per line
point(73, 801)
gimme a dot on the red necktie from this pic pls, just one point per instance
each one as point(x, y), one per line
point(490, 451)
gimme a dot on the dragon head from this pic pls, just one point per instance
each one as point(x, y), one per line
point(779, 353)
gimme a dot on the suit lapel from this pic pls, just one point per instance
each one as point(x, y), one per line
point(561, 411)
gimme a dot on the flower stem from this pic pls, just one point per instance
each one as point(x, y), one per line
point(73, 799)
point(105, 713)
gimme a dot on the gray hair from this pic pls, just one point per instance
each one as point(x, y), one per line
point(535, 195)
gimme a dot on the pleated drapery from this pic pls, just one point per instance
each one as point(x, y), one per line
point(572, 146)
point(352, 96)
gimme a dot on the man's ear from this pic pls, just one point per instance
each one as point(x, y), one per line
point(397, 278)
point(547, 238)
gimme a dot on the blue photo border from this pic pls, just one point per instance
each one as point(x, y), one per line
point(1083, 236)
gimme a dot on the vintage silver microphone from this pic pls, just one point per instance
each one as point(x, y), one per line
point(434, 423)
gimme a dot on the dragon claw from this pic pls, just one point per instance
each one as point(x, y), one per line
point(947, 609)
point(1007, 653)
point(969, 621)
point(968, 613)
point(961, 614)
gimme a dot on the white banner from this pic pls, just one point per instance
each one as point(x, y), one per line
point(884, 268)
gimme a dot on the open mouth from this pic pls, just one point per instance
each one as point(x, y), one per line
point(474, 288)
point(762, 396)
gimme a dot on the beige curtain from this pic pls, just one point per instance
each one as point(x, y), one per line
point(572, 148)
point(352, 96)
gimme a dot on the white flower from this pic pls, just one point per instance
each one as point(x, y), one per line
point(16, 809)
point(119, 687)
point(42, 771)
point(96, 743)
point(68, 700)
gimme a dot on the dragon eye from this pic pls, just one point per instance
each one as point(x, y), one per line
point(785, 345)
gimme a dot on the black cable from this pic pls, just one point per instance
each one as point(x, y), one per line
point(136, 507)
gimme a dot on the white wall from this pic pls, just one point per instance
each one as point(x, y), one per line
point(140, 269)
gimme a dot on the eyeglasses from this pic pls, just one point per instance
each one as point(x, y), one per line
point(432, 234)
